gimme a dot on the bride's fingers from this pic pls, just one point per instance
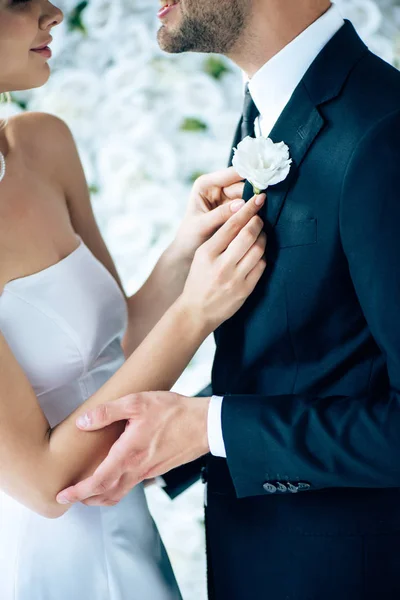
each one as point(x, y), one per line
point(213, 220)
point(233, 191)
point(229, 231)
point(253, 256)
point(222, 178)
point(245, 240)
point(255, 275)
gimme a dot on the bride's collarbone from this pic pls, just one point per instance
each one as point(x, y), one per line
point(32, 207)
point(26, 256)
point(35, 232)
point(35, 224)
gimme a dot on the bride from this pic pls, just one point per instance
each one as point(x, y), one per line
point(69, 337)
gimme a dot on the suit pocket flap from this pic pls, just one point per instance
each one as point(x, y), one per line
point(296, 233)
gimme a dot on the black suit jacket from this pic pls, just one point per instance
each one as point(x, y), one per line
point(307, 504)
point(310, 366)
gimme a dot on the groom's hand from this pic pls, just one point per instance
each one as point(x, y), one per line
point(214, 199)
point(163, 430)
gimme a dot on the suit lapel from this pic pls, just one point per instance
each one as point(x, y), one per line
point(301, 121)
point(236, 140)
point(298, 126)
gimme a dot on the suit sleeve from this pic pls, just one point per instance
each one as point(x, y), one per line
point(339, 441)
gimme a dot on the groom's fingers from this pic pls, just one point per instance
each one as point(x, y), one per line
point(107, 474)
point(106, 414)
point(95, 485)
point(228, 232)
point(114, 495)
point(100, 483)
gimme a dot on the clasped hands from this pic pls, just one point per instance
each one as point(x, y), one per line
point(164, 430)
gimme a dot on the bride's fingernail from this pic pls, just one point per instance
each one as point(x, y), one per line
point(260, 199)
point(237, 204)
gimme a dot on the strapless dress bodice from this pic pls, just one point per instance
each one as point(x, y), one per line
point(65, 325)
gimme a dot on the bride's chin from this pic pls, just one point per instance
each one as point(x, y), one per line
point(32, 83)
point(41, 79)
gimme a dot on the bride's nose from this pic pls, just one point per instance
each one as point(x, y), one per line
point(52, 16)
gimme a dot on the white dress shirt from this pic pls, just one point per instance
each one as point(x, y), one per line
point(271, 89)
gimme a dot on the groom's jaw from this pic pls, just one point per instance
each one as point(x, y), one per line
point(203, 25)
point(167, 7)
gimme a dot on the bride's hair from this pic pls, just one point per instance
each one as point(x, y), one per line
point(5, 98)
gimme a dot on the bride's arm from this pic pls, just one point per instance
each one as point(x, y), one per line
point(210, 206)
point(213, 200)
point(36, 463)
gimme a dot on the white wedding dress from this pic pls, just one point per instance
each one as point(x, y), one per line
point(65, 326)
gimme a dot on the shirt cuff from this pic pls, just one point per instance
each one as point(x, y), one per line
point(215, 435)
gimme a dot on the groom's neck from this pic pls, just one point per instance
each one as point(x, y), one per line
point(273, 25)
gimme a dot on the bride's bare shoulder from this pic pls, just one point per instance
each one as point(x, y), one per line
point(38, 131)
point(44, 139)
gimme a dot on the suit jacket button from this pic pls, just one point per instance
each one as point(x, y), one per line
point(292, 488)
point(303, 485)
point(269, 487)
point(281, 487)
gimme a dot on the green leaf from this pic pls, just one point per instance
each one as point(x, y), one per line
point(75, 18)
point(195, 175)
point(216, 67)
point(21, 103)
point(193, 124)
point(94, 189)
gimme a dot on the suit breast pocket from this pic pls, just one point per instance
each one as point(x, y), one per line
point(289, 234)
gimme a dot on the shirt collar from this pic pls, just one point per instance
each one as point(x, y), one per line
point(273, 85)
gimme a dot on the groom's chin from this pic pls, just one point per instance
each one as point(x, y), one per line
point(168, 42)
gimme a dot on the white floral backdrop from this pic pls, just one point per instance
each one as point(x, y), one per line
point(146, 125)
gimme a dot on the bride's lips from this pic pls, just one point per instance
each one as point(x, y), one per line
point(44, 49)
point(167, 8)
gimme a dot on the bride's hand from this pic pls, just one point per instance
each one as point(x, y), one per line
point(214, 199)
point(226, 268)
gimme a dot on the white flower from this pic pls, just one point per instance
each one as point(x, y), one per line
point(262, 162)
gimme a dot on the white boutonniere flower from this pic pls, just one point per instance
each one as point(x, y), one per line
point(262, 162)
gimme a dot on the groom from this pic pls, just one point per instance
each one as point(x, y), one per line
point(303, 478)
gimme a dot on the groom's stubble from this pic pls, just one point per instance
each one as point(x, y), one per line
point(207, 26)
point(249, 32)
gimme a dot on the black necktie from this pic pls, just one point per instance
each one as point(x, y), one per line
point(250, 113)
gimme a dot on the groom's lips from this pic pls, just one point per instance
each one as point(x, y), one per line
point(167, 8)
